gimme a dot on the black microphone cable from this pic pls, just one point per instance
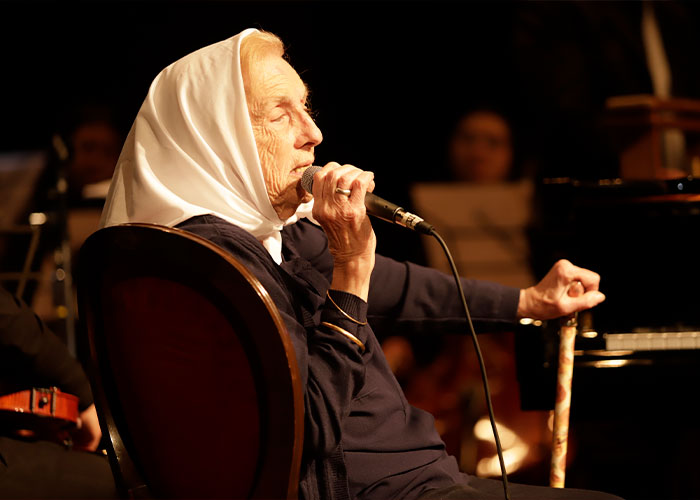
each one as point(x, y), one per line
point(482, 366)
point(378, 207)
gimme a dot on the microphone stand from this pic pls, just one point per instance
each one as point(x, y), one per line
point(64, 271)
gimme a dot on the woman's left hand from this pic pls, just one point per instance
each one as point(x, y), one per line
point(550, 298)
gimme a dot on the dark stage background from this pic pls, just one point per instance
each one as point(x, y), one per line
point(388, 79)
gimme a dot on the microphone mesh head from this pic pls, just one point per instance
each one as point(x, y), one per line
point(307, 178)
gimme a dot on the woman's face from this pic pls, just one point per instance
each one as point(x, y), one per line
point(285, 134)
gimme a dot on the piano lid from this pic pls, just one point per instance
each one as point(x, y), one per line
point(642, 237)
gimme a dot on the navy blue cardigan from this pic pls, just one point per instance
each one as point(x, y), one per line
point(362, 439)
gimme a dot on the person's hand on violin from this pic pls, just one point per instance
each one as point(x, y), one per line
point(550, 299)
point(87, 434)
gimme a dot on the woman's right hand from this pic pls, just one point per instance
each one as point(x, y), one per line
point(351, 239)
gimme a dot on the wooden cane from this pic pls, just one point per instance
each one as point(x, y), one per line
point(560, 434)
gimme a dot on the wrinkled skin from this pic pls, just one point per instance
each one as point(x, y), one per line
point(286, 136)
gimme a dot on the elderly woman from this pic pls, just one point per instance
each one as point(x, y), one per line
point(218, 148)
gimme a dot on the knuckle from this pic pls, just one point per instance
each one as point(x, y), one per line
point(562, 266)
point(334, 176)
point(551, 301)
point(347, 213)
point(321, 176)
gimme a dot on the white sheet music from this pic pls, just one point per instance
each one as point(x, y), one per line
point(483, 224)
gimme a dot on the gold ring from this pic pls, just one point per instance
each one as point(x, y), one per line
point(346, 192)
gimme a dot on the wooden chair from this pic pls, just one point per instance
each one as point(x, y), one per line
point(194, 374)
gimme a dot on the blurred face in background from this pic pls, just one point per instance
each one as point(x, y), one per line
point(96, 148)
point(481, 149)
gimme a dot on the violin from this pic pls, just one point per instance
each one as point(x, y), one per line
point(40, 413)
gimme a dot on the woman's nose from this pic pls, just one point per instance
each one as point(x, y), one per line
point(311, 134)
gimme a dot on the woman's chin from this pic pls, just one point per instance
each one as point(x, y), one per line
point(302, 194)
point(288, 207)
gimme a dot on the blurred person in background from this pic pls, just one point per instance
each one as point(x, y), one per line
point(95, 143)
point(481, 148)
point(92, 142)
point(439, 374)
point(45, 464)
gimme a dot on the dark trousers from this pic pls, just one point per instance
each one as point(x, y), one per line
point(39, 469)
point(490, 489)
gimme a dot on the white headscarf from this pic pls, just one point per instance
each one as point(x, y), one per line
point(191, 151)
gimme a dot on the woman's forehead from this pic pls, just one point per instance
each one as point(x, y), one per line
point(277, 80)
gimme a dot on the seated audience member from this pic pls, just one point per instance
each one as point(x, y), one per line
point(218, 148)
point(31, 356)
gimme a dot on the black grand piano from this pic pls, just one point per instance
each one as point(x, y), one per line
point(635, 414)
